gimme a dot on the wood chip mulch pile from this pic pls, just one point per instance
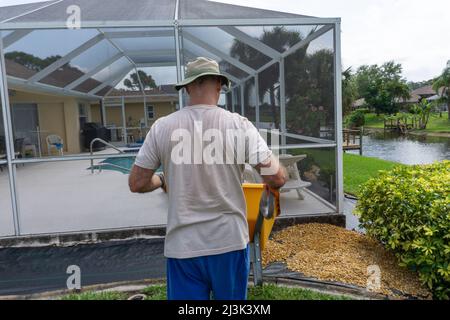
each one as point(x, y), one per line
point(330, 253)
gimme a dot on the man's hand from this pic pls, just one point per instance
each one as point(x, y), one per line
point(163, 181)
point(277, 180)
point(144, 180)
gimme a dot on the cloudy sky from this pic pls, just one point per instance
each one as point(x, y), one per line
point(412, 32)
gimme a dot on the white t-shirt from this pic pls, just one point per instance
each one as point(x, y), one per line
point(207, 211)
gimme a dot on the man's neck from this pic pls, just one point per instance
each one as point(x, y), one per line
point(205, 102)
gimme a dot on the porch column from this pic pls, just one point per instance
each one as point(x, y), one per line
point(72, 143)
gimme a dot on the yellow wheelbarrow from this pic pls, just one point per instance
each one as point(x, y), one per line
point(263, 206)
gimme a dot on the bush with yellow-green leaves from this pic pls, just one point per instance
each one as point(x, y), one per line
point(408, 210)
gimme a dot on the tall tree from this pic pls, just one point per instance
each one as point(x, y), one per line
point(382, 86)
point(280, 39)
point(133, 82)
point(349, 90)
point(31, 61)
point(442, 86)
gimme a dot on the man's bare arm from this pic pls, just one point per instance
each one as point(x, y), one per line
point(277, 180)
point(143, 180)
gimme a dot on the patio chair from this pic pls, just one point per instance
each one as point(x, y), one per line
point(295, 182)
point(55, 141)
point(18, 147)
point(290, 163)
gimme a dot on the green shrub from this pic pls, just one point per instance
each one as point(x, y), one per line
point(357, 119)
point(408, 210)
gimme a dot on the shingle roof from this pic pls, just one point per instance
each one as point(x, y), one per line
point(164, 90)
point(424, 91)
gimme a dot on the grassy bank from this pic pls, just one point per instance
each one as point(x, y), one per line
point(436, 124)
point(267, 292)
point(358, 170)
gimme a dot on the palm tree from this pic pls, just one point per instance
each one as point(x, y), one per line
point(349, 93)
point(134, 84)
point(443, 84)
point(280, 39)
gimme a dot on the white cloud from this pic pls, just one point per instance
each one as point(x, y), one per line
point(412, 32)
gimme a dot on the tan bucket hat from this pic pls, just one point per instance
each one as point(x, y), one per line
point(202, 67)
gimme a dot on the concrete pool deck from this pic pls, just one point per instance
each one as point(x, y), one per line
point(65, 197)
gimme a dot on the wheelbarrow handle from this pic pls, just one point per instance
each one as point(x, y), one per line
point(269, 203)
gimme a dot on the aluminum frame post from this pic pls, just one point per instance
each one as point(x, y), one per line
point(124, 120)
point(145, 112)
point(103, 112)
point(232, 100)
point(242, 99)
point(338, 119)
point(179, 67)
point(9, 142)
point(283, 102)
point(258, 120)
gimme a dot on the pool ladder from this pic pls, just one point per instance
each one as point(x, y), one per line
point(100, 165)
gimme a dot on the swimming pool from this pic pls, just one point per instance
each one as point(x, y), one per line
point(122, 165)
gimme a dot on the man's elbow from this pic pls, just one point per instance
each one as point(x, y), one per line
point(134, 186)
point(278, 181)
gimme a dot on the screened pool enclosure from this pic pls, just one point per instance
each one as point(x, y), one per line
point(75, 70)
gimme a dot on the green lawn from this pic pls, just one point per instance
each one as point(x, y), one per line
point(358, 170)
point(267, 292)
point(436, 123)
point(374, 121)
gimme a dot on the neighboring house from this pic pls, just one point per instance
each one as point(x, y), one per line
point(424, 92)
point(140, 113)
point(33, 108)
point(360, 103)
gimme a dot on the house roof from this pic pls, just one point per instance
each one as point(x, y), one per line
point(59, 78)
point(414, 98)
point(359, 103)
point(164, 90)
point(427, 91)
point(133, 10)
point(424, 91)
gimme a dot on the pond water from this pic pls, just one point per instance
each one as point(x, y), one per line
point(409, 149)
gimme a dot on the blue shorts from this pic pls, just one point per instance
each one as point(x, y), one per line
point(220, 277)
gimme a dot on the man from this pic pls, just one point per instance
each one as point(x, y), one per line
point(207, 233)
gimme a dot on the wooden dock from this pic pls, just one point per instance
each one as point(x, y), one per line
point(353, 140)
point(398, 125)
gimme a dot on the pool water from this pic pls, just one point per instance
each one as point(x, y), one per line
point(125, 163)
point(122, 165)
